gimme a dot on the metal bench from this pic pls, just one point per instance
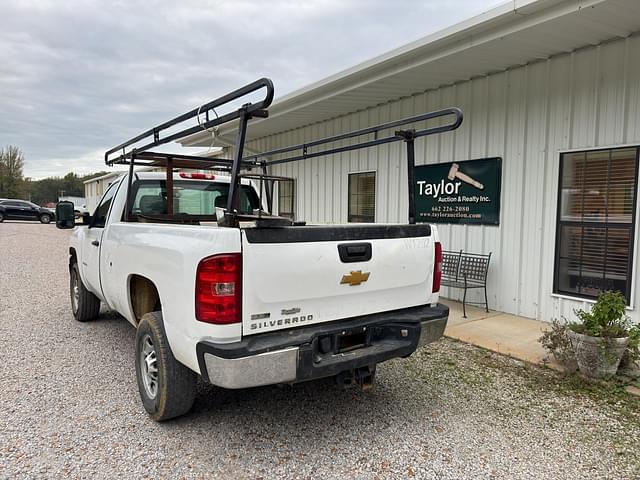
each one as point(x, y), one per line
point(466, 270)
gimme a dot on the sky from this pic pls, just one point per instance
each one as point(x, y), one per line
point(78, 77)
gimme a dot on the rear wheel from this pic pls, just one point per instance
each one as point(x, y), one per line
point(1, 217)
point(167, 388)
point(45, 218)
point(84, 304)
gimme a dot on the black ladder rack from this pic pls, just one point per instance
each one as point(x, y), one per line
point(128, 153)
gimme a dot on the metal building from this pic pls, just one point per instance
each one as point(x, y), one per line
point(95, 187)
point(542, 84)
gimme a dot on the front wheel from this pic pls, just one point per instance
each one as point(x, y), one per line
point(84, 304)
point(167, 388)
point(1, 217)
point(45, 218)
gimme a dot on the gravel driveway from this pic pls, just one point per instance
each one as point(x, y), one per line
point(69, 406)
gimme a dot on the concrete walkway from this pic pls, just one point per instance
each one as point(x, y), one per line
point(500, 332)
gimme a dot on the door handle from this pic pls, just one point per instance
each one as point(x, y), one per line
point(354, 252)
point(95, 243)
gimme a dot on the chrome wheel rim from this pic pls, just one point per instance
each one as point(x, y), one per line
point(149, 366)
point(75, 292)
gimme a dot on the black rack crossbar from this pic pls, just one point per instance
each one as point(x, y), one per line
point(260, 176)
point(248, 110)
point(177, 160)
point(456, 112)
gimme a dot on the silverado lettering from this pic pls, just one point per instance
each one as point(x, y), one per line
point(281, 321)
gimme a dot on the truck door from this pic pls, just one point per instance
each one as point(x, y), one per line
point(91, 256)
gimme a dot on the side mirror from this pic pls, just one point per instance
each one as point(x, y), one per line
point(86, 218)
point(65, 215)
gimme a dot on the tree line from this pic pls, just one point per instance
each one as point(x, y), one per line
point(13, 183)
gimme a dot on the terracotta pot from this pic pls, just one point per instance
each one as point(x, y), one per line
point(598, 357)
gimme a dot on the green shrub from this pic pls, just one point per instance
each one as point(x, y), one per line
point(556, 340)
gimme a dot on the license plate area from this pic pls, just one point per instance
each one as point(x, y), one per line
point(341, 342)
point(353, 342)
point(350, 341)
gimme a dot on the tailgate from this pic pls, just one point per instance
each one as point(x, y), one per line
point(297, 276)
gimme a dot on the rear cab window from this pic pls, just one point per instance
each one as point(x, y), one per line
point(189, 197)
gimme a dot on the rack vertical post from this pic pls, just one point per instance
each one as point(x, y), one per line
point(409, 140)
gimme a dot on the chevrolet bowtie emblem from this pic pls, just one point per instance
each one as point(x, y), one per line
point(355, 278)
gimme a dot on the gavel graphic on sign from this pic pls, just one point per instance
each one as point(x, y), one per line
point(454, 172)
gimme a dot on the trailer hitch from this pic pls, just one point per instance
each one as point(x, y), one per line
point(363, 377)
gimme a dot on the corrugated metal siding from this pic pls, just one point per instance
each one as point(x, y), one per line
point(526, 115)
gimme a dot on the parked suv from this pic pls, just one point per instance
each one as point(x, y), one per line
point(23, 210)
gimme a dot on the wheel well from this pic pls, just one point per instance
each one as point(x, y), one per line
point(143, 295)
point(73, 258)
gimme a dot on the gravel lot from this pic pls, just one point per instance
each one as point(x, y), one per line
point(69, 406)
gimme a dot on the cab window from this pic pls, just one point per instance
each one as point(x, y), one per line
point(100, 215)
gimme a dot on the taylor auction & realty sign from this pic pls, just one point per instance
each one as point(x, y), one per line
point(459, 192)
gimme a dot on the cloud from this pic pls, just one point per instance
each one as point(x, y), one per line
point(78, 77)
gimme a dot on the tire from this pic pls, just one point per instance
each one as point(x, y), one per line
point(45, 218)
point(1, 217)
point(84, 304)
point(167, 388)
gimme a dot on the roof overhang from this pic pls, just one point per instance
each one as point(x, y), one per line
point(103, 177)
point(510, 35)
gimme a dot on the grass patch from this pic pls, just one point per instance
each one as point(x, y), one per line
point(478, 367)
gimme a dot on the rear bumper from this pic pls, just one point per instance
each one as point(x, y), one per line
point(321, 350)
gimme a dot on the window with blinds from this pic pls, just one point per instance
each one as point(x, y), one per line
point(596, 220)
point(362, 197)
point(285, 198)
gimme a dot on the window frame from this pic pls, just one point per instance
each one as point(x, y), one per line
point(375, 194)
point(632, 226)
point(292, 213)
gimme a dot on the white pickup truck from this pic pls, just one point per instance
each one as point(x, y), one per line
point(219, 287)
point(249, 306)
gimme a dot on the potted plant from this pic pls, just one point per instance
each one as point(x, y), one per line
point(602, 335)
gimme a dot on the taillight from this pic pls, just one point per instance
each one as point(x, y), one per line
point(197, 176)
point(437, 268)
point(219, 289)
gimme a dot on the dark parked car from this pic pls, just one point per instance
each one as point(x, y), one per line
point(23, 210)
